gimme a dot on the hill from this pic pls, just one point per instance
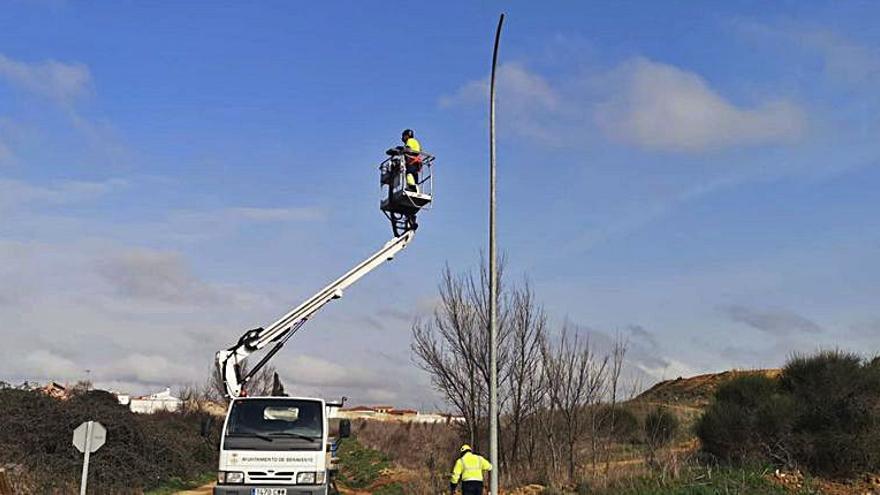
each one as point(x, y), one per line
point(695, 391)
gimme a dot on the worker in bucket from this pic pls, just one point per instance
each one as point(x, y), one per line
point(411, 153)
point(469, 470)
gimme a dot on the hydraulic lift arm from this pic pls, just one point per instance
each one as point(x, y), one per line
point(229, 360)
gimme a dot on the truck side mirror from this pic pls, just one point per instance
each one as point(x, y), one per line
point(344, 428)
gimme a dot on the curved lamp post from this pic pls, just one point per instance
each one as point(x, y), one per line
point(493, 281)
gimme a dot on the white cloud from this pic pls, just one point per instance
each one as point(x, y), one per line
point(62, 85)
point(663, 107)
point(149, 369)
point(669, 369)
point(163, 276)
point(641, 102)
point(11, 133)
point(64, 315)
point(139, 370)
point(59, 81)
point(16, 278)
point(775, 321)
point(187, 226)
point(310, 375)
point(645, 362)
point(275, 214)
point(155, 275)
point(43, 364)
point(524, 99)
point(519, 87)
point(842, 58)
point(379, 396)
point(6, 155)
point(866, 328)
point(14, 193)
point(26, 207)
point(310, 370)
point(226, 216)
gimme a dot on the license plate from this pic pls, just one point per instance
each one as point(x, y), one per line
point(269, 491)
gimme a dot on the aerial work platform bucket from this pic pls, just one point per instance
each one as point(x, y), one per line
point(407, 182)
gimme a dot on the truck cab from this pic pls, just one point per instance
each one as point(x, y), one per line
point(277, 446)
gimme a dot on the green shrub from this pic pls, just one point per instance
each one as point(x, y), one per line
point(748, 419)
point(835, 430)
point(626, 427)
point(142, 451)
point(583, 488)
point(702, 480)
point(619, 422)
point(821, 414)
point(360, 466)
point(661, 426)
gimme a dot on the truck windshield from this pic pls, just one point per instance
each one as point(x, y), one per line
point(275, 424)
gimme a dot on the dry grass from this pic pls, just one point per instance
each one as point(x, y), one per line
point(427, 451)
point(696, 391)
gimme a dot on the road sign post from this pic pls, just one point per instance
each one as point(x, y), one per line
point(87, 438)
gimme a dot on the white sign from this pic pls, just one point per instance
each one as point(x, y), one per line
point(81, 435)
point(87, 438)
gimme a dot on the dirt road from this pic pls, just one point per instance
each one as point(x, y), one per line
point(202, 490)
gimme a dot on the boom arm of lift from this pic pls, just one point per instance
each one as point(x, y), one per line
point(229, 360)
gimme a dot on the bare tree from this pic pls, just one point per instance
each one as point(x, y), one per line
point(609, 422)
point(550, 408)
point(661, 427)
point(443, 347)
point(259, 384)
point(80, 387)
point(618, 355)
point(522, 381)
point(552, 389)
point(191, 397)
point(574, 378)
point(453, 345)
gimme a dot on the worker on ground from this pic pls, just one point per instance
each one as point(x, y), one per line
point(412, 156)
point(469, 470)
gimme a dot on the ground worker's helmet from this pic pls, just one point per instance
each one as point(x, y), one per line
point(465, 448)
point(407, 133)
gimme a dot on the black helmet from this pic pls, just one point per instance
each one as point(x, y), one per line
point(407, 133)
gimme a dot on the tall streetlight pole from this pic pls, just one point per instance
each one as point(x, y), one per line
point(493, 281)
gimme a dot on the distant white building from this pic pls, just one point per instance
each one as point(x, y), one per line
point(160, 401)
point(390, 413)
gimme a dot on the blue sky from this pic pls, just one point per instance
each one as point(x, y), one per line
point(700, 180)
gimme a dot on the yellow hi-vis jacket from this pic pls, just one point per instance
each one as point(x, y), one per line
point(414, 144)
point(470, 467)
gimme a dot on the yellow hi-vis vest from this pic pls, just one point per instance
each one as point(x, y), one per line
point(470, 467)
point(413, 144)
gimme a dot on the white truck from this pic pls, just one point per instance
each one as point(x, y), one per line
point(282, 445)
point(277, 446)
